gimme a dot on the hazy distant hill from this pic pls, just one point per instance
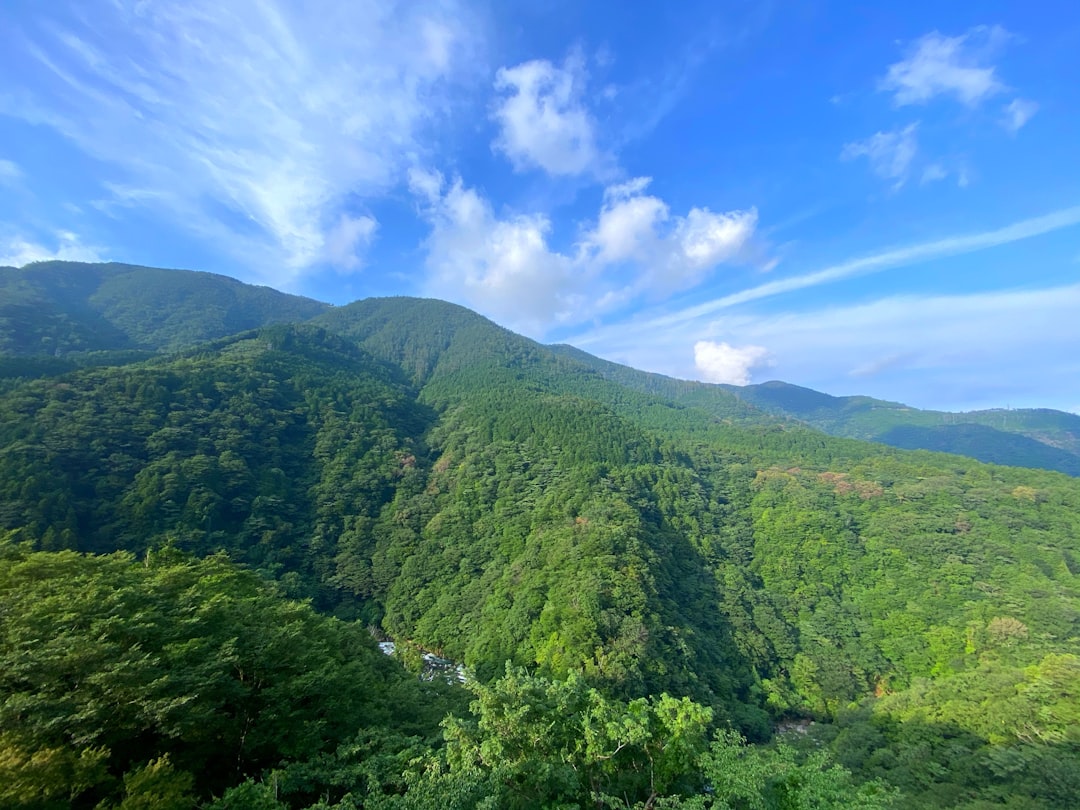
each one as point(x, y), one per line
point(1024, 437)
point(1041, 438)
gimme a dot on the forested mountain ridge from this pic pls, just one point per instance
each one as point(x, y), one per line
point(410, 466)
point(59, 308)
point(1022, 437)
point(56, 316)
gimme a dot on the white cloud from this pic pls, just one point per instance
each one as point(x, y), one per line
point(543, 120)
point(1017, 113)
point(940, 65)
point(690, 319)
point(723, 363)
point(933, 173)
point(9, 172)
point(505, 267)
point(630, 188)
point(879, 365)
point(627, 225)
point(985, 342)
point(890, 153)
point(502, 267)
point(426, 184)
point(256, 124)
point(16, 251)
point(346, 241)
point(706, 239)
point(675, 252)
point(947, 351)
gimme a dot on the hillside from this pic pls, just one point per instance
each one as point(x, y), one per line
point(1025, 437)
point(60, 308)
point(621, 560)
point(1022, 437)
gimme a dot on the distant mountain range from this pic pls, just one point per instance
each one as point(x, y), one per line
point(1023, 437)
point(1030, 437)
point(57, 316)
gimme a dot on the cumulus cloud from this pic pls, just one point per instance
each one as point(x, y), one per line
point(890, 153)
point(938, 65)
point(260, 126)
point(16, 251)
point(1017, 113)
point(676, 252)
point(543, 120)
point(506, 267)
point(627, 229)
point(502, 267)
point(706, 239)
point(723, 363)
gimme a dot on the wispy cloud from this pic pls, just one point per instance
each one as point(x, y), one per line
point(890, 153)
point(879, 365)
point(260, 126)
point(1017, 113)
point(17, 250)
point(972, 346)
point(933, 173)
point(9, 172)
point(944, 169)
point(973, 350)
point(938, 65)
point(874, 263)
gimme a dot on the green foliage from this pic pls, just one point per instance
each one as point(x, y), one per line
point(556, 743)
point(753, 778)
point(171, 673)
point(537, 743)
point(273, 446)
point(469, 492)
point(1026, 437)
point(60, 308)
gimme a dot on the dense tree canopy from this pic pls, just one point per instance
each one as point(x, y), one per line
point(637, 573)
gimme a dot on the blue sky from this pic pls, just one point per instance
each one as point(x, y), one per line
point(861, 198)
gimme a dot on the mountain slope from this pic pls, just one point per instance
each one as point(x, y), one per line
point(471, 492)
point(300, 454)
point(1040, 438)
point(1025, 437)
point(57, 308)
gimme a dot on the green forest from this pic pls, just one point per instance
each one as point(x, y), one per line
point(663, 594)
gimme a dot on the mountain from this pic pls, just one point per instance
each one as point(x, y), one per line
point(1027, 437)
point(625, 564)
point(1023, 437)
point(58, 308)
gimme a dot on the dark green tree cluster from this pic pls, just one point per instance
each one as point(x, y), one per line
point(156, 683)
